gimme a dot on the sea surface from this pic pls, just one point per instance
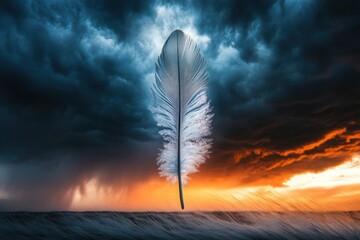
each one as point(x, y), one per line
point(180, 225)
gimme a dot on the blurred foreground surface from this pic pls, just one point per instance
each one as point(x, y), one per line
point(180, 225)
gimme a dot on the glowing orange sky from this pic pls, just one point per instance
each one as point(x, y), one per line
point(320, 175)
point(333, 189)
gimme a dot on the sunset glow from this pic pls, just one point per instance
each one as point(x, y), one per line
point(336, 188)
point(347, 173)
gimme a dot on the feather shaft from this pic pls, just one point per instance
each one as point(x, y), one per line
point(179, 126)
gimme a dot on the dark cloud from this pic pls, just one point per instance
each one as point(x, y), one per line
point(63, 88)
point(287, 78)
point(74, 90)
point(71, 103)
point(118, 15)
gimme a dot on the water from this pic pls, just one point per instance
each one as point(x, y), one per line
point(180, 225)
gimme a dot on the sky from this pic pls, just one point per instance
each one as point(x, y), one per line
point(76, 132)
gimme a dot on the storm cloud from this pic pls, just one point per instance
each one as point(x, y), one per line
point(75, 91)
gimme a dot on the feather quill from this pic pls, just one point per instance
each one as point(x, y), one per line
point(181, 109)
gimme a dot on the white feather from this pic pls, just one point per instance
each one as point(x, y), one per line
point(181, 108)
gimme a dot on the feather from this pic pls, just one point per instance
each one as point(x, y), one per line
point(181, 109)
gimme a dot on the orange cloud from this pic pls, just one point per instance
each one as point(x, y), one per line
point(315, 144)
